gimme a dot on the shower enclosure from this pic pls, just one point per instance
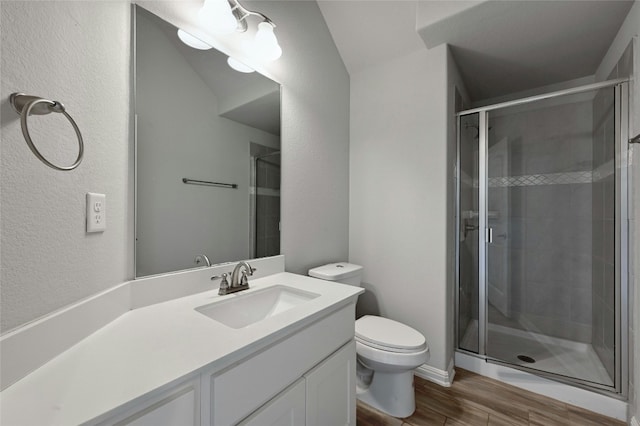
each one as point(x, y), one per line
point(542, 235)
point(265, 202)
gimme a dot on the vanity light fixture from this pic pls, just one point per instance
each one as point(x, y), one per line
point(191, 41)
point(227, 16)
point(217, 16)
point(265, 45)
point(239, 66)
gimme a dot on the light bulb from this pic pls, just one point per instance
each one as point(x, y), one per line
point(217, 16)
point(191, 41)
point(239, 66)
point(265, 45)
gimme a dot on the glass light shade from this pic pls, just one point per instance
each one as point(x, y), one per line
point(191, 41)
point(266, 45)
point(239, 66)
point(216, 15)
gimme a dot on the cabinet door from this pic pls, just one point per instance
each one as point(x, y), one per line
point(178, 406)
point(331, 390)
point(286, 409)
point(241, 389)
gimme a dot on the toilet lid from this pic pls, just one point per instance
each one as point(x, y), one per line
point(387, 333)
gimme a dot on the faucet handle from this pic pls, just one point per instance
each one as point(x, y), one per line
point(223, 276)
point(247, 272)
point(224, 284)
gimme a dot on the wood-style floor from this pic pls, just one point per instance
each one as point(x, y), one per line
point(476, 400)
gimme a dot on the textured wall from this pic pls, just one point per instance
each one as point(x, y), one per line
point(398, 208)
point(78, 53)
point(315, 140)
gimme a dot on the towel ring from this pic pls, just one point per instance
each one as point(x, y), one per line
point(25, 106)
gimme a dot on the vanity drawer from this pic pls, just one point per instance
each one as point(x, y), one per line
point(241, 389)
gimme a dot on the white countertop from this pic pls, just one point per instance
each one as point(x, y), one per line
point(150, 347)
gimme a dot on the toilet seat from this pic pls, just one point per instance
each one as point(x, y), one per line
point(387, 361)
point(388, 335)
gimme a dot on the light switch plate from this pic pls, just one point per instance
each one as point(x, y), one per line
point(96, 212)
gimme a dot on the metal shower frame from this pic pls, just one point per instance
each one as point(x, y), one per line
point(621, 88)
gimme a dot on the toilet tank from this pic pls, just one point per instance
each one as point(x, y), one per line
point(342, 272)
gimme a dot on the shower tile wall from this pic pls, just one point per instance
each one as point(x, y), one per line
point(546, 217)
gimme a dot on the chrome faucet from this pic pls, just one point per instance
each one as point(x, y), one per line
point(239, 279)
point(237, 271)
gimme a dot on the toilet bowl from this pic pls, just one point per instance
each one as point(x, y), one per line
point(387, 352)
point(392, 351)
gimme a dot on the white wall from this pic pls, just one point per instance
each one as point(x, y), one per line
point(315, 139)
point(629, 31)
point(399, 201)
point(78, 53)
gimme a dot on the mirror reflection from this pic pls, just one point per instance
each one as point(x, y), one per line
point(207, 155)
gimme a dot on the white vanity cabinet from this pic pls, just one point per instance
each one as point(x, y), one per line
point(331, 389)
point(286, 409)
point(305, 377)
point(167, 364)
point(178, 406)
point(324, 396)
point(235, 393)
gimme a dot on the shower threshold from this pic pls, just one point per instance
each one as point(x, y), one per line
point(551, 355)
point(605, 403)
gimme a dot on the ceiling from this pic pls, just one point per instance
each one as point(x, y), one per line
point(501, 47)
point(367, 32)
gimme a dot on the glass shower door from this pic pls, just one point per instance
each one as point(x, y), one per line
point(468, 233)
point(550, 250)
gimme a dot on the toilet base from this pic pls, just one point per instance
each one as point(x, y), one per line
point(391, 393)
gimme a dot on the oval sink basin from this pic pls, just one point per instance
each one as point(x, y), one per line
point(242, 310)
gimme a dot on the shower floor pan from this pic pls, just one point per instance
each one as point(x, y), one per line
point(553, 355)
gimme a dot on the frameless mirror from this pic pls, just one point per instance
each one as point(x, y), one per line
point(207, 155)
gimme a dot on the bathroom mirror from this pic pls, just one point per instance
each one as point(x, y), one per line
point(207, 155)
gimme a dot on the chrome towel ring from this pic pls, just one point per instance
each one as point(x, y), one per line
point(25, 106)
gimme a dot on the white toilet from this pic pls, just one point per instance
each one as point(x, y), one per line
point(388, 351)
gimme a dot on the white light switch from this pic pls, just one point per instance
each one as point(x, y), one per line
point(96, 212)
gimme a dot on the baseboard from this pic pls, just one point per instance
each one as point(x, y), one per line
point(634, 421)
point(435, 375)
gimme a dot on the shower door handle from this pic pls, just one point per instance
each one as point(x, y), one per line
point(489, 235)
